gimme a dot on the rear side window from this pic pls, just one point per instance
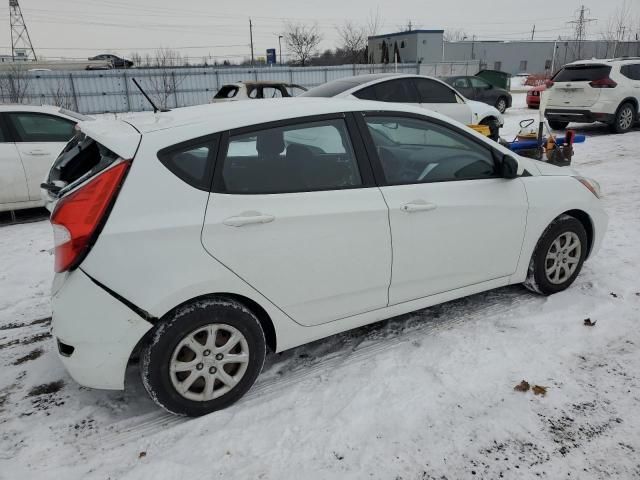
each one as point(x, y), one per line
point(631, 71)
point(434, 92)
point(398, 91)
point(582, 73)
point(296, 158)
point(227, 91)
point(39, 127)
point(192, 161)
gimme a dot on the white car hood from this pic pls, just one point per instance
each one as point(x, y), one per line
point(481, 111)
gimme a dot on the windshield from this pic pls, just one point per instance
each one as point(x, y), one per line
point(582, 73)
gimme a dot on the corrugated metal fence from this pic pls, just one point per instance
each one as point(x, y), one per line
point(113, 90)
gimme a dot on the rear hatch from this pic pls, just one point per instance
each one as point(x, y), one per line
point(578, 85)
point(96, 146)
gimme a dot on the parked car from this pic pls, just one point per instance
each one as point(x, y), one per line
point(254, 90)
point(481, 90)
point(427, 92)
point(31, 139)
point(606, 91)
point(206, 235)
point(533, 96)
point(113, 60)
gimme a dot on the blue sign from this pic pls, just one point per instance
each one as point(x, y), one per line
point(271, 56)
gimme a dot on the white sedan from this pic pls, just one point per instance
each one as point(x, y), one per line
point(31, 137)
point(206, 235)
point(418, 90)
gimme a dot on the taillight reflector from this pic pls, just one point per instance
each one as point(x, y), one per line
point(78, 217)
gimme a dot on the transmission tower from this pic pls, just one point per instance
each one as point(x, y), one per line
point(20, 40)
point(580, 27)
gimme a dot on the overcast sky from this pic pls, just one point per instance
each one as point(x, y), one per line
point(219, 28)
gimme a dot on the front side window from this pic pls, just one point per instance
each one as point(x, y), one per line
point(460, 83)
point(418, 151)
point(271, 92)
point(39, 127)
point(295, 158)
point(431, 91)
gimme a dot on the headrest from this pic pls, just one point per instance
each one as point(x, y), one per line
point(270, 143)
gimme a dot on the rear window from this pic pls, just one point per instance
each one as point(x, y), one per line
point(192, 161)
point(330, 89)
point(81, 158)
point(582, 73)
point(227, 91)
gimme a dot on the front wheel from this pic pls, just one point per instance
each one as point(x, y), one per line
point(558, 257)
point(203, 357)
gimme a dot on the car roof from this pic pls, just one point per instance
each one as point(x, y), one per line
point(605, 61)
point(18, 107)
point(218, 117)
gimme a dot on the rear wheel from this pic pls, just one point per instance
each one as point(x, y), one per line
point(557, 125)
point(625, 118)
point(501, 104)
point(204, 357)
point(558, 257)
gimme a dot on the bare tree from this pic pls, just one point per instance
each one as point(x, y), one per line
point(164, 79)
point(619, 28)
point(61, 95)
point(136, 58)
point(15, 83)
point(353, 41)
point(455, 35)
point(302, 41)
point(373, 23)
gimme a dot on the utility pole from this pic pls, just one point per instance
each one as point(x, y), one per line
point(20, 39)
point(533, 32)
point(473, 48)
point(251, 39)
point(580, 27)
point(280, 47)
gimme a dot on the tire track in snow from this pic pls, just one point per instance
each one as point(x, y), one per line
point(352, 347)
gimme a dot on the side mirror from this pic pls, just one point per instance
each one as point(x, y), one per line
point(509, 167)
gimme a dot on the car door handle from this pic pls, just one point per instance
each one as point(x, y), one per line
point(418, 206)
point(37, 153)
point(248, 218)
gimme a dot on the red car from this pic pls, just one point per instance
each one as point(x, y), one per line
point(533, 96)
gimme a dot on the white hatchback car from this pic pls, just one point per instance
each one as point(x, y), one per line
point(418, 90)
point(606, 91)
point(31, 137)
point(204, 236)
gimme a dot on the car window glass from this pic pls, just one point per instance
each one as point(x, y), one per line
point(582, 73)
point(418, 151)
point(227, 91)
point(191, 163)
point(399, 91)
point(635, 71)
point(271, 92)
point(39, 127)
point(460, 83)
point(479, 83)
point(432, 91)
point(295, 158)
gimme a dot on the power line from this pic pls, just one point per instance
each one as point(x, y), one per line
point(580, 27)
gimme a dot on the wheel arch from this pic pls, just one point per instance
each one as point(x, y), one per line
point(633, 101)
point(263, 317)
point(586, 221)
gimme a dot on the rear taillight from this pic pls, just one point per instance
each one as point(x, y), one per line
point(603, 83)
point(78, 217)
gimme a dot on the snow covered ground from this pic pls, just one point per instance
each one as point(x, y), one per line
point(423, 396)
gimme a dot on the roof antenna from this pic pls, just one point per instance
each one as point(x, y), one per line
point(155, 108)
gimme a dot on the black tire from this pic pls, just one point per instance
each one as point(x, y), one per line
point(156, 355)
point(537, 279)
point(557, 125)
point(621, 123)
point(502, 104)
point(494, 128)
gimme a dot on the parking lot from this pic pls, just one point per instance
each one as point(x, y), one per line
point(428, 395)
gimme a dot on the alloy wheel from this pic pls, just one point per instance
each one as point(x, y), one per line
point(563, 257)
point(626, 118)
point(209, 362)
